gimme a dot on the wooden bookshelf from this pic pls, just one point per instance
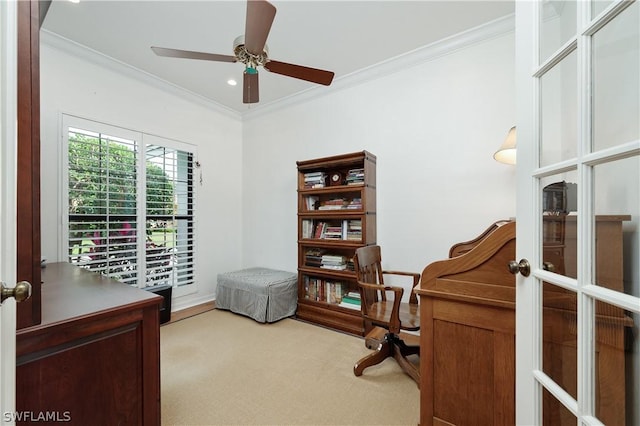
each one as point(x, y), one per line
point(336, 215)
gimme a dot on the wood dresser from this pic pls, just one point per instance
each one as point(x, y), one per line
point(95, 357)
point(467, 317)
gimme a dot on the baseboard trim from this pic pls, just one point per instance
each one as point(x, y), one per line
point(191, 311)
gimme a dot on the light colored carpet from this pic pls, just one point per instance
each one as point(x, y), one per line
point(219, 368)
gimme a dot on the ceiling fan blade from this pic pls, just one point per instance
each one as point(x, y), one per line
point(250, 86)
point(188, 54)
point(298, 71)
point(260, 14)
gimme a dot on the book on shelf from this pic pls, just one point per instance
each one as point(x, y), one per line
point(353, 231)
point(320, 230)
point(335, 262)
point(311, 201)
point(333, 204)
point(307, 228)
point(333, 232)
point(334, 292)
point(350, 302)
point(313, 257)
point(355, 204)
point(353, 295)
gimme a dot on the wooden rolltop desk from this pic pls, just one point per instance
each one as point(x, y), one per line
point(467, 314)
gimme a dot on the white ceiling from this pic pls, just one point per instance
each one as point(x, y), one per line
point(341, 36)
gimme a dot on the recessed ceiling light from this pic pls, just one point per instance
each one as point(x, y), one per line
point(232, 82)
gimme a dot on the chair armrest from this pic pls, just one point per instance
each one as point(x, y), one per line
point(416, 279)
point(394, 319)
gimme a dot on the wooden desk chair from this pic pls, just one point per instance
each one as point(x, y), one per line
point(389, 316)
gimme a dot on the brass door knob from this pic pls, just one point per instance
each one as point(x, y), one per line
point(523, 267)
point(21, 292)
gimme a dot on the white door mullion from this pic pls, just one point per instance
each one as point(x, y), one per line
point(585, 222)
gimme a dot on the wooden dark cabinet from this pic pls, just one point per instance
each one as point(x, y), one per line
point(95, 357)
point(336, 215)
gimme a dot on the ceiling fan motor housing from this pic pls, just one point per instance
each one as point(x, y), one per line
point(248, 58)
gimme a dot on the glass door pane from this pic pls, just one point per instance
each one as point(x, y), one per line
point(616, 80)
point(558, 102)
point(557, 26)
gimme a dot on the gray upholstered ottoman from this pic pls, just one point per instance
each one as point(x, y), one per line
point(266, 295)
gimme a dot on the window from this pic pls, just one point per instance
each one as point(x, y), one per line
point(130, 205)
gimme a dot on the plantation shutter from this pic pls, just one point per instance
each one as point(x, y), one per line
point(169, 215)
point(103, 203)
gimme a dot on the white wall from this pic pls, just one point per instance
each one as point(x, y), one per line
point(85, 87)
point(434, 128)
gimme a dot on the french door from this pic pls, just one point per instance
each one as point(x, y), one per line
point(578, 212)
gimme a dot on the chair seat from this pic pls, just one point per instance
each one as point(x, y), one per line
point(409, 314)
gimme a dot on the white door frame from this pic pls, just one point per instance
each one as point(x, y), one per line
point(8, 158)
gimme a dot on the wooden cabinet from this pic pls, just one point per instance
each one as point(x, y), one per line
point(336, 215)
point(95, 357)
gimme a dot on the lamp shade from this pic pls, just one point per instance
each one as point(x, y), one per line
point(507, 152)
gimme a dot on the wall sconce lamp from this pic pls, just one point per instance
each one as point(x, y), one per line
point(507, 152)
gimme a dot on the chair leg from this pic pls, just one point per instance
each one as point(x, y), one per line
point(385, 350)
point(409, 368)
point(391, 346)
point(406, 350)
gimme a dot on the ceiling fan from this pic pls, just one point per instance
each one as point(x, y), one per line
point(251, 50)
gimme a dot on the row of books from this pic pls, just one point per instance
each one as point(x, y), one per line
point(334, 292)
point(312, 202)
point(319, 258)
point(322, 290)
point(341, 204)
point(315, 180)
point(355, 176)
point(347, 229)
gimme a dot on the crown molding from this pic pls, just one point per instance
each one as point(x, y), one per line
point(58, 42)
point(421, 55)
point(430, 52)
